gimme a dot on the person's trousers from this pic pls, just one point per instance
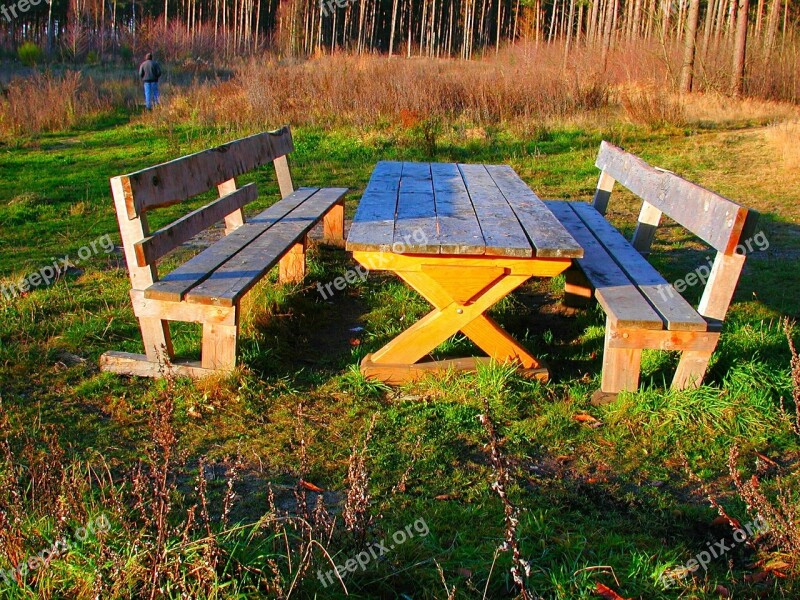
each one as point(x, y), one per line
point(151, 93)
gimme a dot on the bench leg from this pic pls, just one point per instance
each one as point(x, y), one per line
point(620, 367)
point(577, 289)
point(157, 339)
point(333, 224)
point(293, 264)
point(219, 345)
point(692, 368)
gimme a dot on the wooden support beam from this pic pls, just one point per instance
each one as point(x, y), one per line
point(293, 264)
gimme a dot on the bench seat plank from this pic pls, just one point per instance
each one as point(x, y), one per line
point(502, 232)
point(678, 314)
point(621, 299)
point(373, 225)
point(548, 236)
point(176, 284)
point(232, 280)
point(459, 230)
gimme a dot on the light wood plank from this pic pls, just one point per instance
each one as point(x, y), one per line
point(605, 185)
point(502, 232)
point(715, 219)
point(170, 237)
point(404, 373)
point(620, 366)
point(721, 285)
point(548, 236)
point(188, 176)
point(646, 226)
point(228, 283)
point(175, 285)
point(373, 224)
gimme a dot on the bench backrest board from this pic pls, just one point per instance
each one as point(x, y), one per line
point(718, 221)
point(178, 180)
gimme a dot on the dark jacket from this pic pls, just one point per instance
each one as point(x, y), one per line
point(149, 71)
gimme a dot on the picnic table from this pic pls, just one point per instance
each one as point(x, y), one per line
point(464, 236)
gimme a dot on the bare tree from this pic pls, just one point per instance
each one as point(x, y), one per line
point(689, 46)
point(740, 51)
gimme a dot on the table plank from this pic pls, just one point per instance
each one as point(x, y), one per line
point(459, 230)
point(502, 232)
point(373, 224)
point(546, 233)
point(415, 225)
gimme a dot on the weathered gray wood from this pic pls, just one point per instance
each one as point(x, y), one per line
point(170, 237)
point(188, 176)
point(677, 313)
point(175, 285)
point(720, 222)
point(373, 224)
point(415, 225)
point(502, 232)
point(620, 298)
point(128, 363)
point(459, 230)
point(228, 283)
point(548, 236)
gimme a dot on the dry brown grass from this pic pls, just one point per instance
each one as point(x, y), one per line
point(523, 85)
point(369, 90)
point(783, 139)
point(46, 102)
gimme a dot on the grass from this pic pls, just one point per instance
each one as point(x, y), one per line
point(602, 499)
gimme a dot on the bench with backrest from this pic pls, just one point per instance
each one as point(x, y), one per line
point(643, 311)
point(209, 287)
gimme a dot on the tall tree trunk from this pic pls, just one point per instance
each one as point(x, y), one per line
point(607, 31)
point(689, 45)
point(394, 25)
point(740, 51)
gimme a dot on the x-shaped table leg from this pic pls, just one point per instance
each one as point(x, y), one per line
point(461, 290)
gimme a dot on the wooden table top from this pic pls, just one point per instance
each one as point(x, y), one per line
point(456, 209)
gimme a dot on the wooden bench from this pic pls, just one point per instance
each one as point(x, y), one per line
point(642, 309)
point(208, 288)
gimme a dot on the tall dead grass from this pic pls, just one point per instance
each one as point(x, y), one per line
point(367, 90)
point(46, 102)
point(525, 84)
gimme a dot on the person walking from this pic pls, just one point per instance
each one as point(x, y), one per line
point(149, 73)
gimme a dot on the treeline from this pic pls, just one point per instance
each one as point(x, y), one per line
point(457, 28)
